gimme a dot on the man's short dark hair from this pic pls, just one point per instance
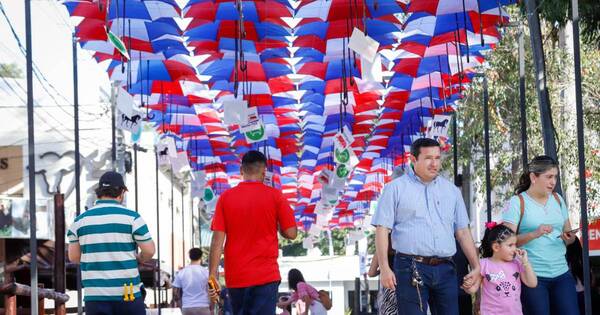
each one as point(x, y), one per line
point(195, 254)
point(415, 147)
point(109, 192)
point(253, 162)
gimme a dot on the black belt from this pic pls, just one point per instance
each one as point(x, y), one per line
point(428, 260)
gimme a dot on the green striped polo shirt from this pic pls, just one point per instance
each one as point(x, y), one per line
point(107, 235)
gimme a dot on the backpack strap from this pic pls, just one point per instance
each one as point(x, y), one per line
point(522, 211)
point(555, 194)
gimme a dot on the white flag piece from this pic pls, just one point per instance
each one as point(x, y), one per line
point(234, 111)
point(344, 138)
point(162, 151)
point(131, 123)
point(315, 230)
point(251, 120)
point(325, 177)
point(268, 178)
point(180, 163)
point(363, 45)
point(345, 156)
point(372, 70)
point(254, 130)
point(125, 102)
point(307, 243)
point(439, 126)
point(171, 148)
point(342, 171)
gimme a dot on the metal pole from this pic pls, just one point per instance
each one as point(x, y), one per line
point(182, 229)
point(356, 304)
point(59, 254)
point(541, 84)
point(157, 276)
point(31, 163)
point(77, 162)
point(113, 128)
point(455, 147)
point(581, 154)
point(199, 225)
point(172, 225)
point(522, 99)
point(135, 175)
point(486, 129)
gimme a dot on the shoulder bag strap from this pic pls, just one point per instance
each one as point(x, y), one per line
point(522, 211)
point(555, 194)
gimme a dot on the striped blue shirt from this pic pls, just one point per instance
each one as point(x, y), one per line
point(422, 216)
point(107, 234)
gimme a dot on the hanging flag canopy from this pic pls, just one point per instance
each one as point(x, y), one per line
point(332, 91)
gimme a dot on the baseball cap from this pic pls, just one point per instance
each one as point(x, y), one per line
point(111, 179)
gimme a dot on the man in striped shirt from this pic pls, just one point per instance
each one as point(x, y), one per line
point(103, 240)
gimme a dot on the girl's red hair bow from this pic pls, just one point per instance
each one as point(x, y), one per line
point(490, 225)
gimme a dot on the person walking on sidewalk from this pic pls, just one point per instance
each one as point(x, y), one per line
point(190, 290)
point(103, 240)
point(425, 214)
point(247, 219)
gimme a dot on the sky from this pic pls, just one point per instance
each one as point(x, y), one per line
point(52, 53)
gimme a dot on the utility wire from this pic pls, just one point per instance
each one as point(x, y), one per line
point(37, 72)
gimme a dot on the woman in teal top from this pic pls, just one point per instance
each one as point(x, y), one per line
point(543, 231)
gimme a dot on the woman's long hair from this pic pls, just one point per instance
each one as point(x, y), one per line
point(295, 277)
point(540, 164)
point(497, 234)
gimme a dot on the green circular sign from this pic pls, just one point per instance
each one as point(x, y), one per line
point(256, 134)
point(342, 171)
point(342, 156)
point(208, 194)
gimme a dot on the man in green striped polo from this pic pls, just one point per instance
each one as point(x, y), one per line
point(103, 240)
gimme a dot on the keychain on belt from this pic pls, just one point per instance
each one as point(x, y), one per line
point(128, 295)
point(417, 282)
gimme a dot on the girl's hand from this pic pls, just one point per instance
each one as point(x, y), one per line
point(471, 286)
point(522, 255)
point(543, 229)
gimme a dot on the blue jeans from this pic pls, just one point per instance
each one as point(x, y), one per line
point(255, 300)
point(136, 307)
point(551, 296)
point(439, 288)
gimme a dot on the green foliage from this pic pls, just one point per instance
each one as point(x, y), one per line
point(505, 130)
point(294, 247)
point(558, 12)
point(10, 70)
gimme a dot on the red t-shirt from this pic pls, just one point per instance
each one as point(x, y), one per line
point(250, 215)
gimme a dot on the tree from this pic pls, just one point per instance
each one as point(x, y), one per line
point(10, 70)
point(294, 247)
point(502, 72)
point(558, 12)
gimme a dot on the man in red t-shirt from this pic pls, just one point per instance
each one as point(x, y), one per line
point(249, 216)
